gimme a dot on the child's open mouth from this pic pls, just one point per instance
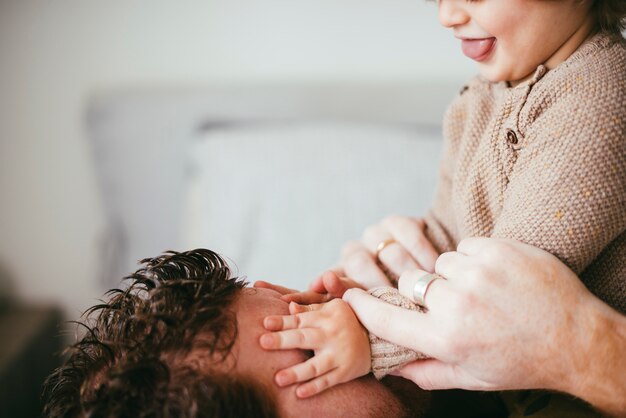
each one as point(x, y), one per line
point(478, 49)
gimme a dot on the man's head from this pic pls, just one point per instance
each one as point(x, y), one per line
point(182, 341)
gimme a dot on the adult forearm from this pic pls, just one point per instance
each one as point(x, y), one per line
point(598, 373)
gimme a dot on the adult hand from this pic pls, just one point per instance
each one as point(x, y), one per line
point(509, 316)
point(275, 287)
point(408, 248)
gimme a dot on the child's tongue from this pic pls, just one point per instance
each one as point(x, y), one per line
point(477, 49)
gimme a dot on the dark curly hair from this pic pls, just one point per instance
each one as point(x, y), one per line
point(148, 350)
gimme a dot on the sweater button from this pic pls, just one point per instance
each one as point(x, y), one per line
point(511, 137)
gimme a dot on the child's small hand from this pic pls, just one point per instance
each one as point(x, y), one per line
point(333, 332)
point(328, 286)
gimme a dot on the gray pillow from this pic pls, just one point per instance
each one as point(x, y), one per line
point(281, 199)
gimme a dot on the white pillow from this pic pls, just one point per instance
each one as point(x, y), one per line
point(279, 200)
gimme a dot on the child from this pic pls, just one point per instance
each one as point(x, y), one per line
point(534, 151)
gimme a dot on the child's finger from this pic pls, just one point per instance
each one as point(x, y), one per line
point(298, 320)
point(307, 338)
point(319, 384)
point(295, 308)
point(313, 367)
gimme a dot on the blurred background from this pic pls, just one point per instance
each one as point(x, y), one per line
point(271, 131)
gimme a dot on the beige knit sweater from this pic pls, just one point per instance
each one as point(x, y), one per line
point(543, 163)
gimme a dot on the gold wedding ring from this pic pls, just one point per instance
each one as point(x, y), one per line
point(386, 271)
point(421, 287)
point(382, 245)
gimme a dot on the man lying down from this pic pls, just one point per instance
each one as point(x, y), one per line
point(182, 341)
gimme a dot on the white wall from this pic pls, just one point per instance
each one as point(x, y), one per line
point(55, 54)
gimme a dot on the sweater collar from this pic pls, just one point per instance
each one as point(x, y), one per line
point(596, 42)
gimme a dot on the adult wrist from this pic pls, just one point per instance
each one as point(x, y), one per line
point(597, 363)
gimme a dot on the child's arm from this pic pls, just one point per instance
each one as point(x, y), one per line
point(560, 182)
point(332, 331)
point(567, 189)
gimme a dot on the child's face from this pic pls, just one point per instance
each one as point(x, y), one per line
point(510, 38)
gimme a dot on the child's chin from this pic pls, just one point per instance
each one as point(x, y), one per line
point(493, 74)
point(496, 75)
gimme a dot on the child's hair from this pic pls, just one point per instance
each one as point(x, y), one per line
point(610, 15)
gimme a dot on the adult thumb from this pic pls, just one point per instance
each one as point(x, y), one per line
point(431, 374)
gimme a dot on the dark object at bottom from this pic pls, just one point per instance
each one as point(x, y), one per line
point(29, 348)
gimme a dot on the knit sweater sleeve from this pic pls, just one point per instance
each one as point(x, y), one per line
point(437, 229)
point(567, 189)
point(441, 228)
point(387, 356)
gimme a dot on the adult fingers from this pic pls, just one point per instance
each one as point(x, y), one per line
point(267, 285)
point(361, 265)
point(318, 285)
point(397, 259)
point(307, 338)
point(407, 281)
point(474, 245)
point(432, 374)
point(392, 255)
point(453, 266)
point(332, 283)
point(409, 232)
point(307, 298)
point(403, 327)
point(435, 293)
point(301, 372)
point(336, 285)
point(374, 235)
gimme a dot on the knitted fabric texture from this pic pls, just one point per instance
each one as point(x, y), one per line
point(387, 356)
point(543, 163)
